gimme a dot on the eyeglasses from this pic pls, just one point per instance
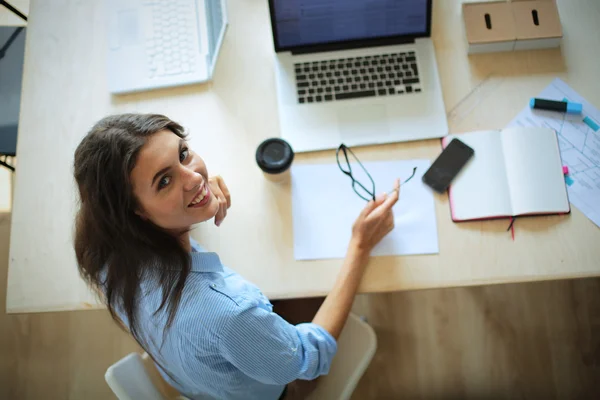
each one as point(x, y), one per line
point(365, 190)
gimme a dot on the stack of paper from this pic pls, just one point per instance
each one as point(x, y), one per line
point(324, 208)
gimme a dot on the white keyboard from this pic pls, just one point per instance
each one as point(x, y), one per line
point(172, 37)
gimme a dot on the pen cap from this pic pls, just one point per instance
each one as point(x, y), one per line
point(574, 108)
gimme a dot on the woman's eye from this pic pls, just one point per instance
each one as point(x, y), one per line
point(183, 155)
point(164, 181)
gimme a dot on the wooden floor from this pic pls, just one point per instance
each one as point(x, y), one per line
point(519, 341)
point(530, 341)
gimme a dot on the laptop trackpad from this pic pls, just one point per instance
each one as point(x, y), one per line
point(359, 122)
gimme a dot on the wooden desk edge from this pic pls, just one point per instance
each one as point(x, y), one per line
point(304, 294)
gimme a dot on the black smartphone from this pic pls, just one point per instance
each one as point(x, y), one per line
point(448, 164)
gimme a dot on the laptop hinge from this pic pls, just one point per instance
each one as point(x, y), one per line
point(359, 44)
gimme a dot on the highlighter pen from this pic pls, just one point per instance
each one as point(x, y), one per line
point(553, 105)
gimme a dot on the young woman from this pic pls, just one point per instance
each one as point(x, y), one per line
point(211, 333)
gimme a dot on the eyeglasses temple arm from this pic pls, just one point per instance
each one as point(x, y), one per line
point(407, 179)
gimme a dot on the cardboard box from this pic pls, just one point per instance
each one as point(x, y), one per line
point(489, 26)
point(537, 24)
point(517, 25)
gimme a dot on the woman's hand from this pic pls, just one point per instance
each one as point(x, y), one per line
point(221, 192)
point(375, 221)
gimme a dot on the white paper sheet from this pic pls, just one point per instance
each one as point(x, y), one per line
point(324, 207)
point(579, 141)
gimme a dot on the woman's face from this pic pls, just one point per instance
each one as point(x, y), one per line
point(171, 184)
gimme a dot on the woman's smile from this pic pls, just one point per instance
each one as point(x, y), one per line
point(172, 185)
point(202, 197)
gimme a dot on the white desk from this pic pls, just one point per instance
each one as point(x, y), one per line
point(65, 92)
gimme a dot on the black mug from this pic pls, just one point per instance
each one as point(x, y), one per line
point(274, 157)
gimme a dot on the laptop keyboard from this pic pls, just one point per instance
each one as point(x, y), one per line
point(171, 38)
point(356, 77)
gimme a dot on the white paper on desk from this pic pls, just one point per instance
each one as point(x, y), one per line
point(579, 142)
point(324, 207)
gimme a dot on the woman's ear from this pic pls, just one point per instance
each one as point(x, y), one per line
point(138, 209)
point(141, 214)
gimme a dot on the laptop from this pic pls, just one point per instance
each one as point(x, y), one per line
point(355, 71)
point(163, 43)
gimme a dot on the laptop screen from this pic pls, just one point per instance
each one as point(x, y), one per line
point(215, 26)
point(299, 23)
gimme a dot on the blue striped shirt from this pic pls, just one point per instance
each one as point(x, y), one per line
point(226, 342)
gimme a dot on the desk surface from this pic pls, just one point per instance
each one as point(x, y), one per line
point(65, 92)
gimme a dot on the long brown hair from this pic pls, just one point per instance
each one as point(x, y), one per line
point(115, 248)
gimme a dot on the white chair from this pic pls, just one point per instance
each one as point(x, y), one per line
point(135, 376)
point(356, 347)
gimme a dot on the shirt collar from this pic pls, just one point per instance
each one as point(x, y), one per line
point(205, 262)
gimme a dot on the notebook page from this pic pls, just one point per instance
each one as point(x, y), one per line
point(481, 189)
point(534, 171)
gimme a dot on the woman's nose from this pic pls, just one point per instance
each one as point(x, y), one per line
point(191, 179)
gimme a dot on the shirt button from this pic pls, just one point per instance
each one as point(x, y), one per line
point(213, 285)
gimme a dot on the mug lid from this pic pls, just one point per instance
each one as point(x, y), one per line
point(274, 155)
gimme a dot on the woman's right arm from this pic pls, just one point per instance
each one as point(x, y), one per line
point(266, 347)
point(374, 223)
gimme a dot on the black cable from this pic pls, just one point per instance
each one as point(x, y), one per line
point(14, 10)
point(11, 39)
point(2, 163)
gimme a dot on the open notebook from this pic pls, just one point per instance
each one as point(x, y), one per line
point(517, 171)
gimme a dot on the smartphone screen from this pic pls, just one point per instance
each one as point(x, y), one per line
point(445, 168)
